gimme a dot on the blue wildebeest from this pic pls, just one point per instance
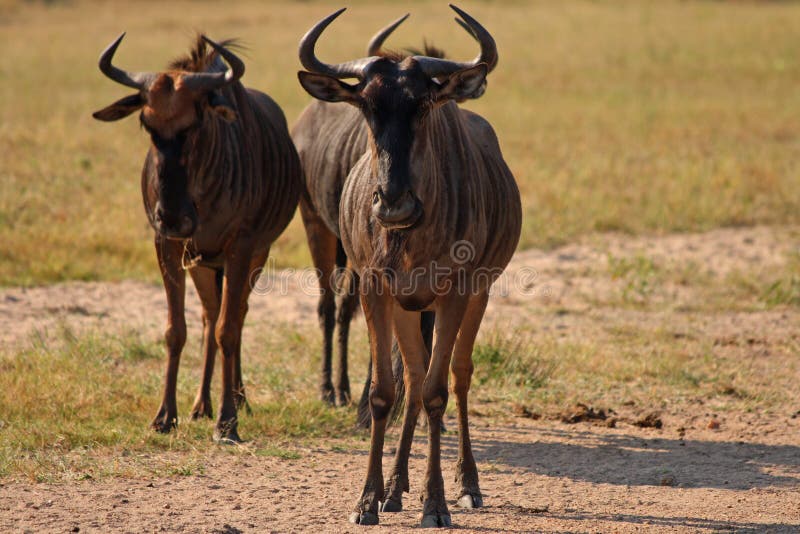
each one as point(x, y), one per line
point(432, 181)
point(220, 183)
point(330, 138)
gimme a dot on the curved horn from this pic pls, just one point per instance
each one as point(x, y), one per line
point(351, 69)
point(137, 80)
point(375, 44)
point(434, 67)
point(210, 81)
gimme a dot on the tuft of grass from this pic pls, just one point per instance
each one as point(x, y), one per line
point(278, 452)
point(784, 291)
point(509, 365)
point(640, 276)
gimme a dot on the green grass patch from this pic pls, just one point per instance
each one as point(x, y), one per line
point(79, 407)
point(509, 365)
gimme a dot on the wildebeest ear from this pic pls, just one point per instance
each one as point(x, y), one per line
point(120, 109)
point(463, 84)
point(221, 106)
point(328, 88)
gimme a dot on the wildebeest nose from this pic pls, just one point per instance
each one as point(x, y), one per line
point(399, 210)
point(174, 225)
point(391, 197)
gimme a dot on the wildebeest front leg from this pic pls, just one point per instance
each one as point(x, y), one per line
point(414, 354)
point(449, 313)
point(461, 369)
point(209, 287)
point(169, 259)
point(235, 288)
point(378, 314)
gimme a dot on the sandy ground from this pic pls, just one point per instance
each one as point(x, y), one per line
point(537, 475)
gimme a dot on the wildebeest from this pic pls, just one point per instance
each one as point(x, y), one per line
point(430, 215)
point(330, 138)
point(220, 183)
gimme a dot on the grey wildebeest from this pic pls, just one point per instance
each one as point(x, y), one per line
point(330, 138)
point(220, 183)
point(430, 215)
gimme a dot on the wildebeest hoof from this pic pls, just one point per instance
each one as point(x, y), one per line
point(163, 427)
point(392, 505)
point(364, 518)
point(226, 434)
point(164, 422)
point(201, 409)
point(470, 500)
point(327, 395)
point(436, 521)
point(342, 398)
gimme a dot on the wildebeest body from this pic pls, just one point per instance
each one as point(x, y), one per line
point(220, 183)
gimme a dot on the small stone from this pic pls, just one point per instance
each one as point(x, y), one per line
point(713, 424)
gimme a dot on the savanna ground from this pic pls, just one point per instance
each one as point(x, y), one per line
point(657, 149)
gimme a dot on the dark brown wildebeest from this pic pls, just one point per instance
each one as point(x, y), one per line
point(220, 183)
point(330, 138)
point(430, 215)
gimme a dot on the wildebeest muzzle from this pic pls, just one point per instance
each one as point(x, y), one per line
point(175, 215)
point(398, 211)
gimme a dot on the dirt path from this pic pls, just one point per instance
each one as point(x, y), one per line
point(537, 475)
point(573, 277)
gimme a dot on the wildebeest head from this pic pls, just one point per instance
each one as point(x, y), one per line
point(395, 95)
point(172, 104)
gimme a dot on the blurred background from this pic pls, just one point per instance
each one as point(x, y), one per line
point(630, 116)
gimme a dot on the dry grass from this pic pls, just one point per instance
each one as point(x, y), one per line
point(633, 116)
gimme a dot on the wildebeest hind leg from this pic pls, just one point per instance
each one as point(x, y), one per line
point(239, 396)
point(169, 260)
point(322, 244)
point(347, 301)
point(209, 287)
point(461, 370)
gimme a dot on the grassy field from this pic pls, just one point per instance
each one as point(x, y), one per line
point(77, 406)
point(643, 117)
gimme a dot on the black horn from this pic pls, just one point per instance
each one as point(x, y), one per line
point(375, 44)
point(350, 69)
point(210, 81)
point(137, 80)
point(434, 67)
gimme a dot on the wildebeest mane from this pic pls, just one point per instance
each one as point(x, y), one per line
point(202, 57)
point(427, 50)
